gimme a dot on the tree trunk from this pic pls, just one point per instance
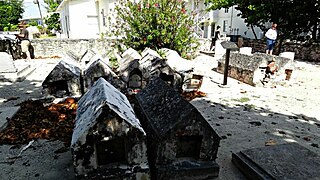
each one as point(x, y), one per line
point(278, 50)
point(254, 33)
point(314, 30)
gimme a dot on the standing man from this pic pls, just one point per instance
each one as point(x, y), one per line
point(216, 37)
point(24, 38)
point(271, 38)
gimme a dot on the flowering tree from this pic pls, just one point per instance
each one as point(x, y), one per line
point(155, 24)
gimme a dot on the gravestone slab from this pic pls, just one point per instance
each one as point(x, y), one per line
point(7, 65)
point(281, 162)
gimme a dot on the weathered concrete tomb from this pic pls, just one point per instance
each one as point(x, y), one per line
point(251, 69)
point(129, 55)
point(154, 66)
point(131, 74)
point(108, 140)
point(181, 143)
point(63, 80)
point(97, 69)
point(136, 73)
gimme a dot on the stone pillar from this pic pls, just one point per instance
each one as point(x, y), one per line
point(219, 50)
point(246, 50)
point(289, 67)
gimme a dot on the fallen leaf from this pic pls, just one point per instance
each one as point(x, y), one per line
point(270, 142)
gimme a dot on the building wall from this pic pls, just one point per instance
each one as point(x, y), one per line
point(226, 18)
point(90, 18)
point(83, 19)
point(79, 19)
point(64, 20)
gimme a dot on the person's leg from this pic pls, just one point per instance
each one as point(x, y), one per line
point(25, 48)
point(267, 48)
point(28, 55)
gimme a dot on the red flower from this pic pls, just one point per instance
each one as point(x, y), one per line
point(156, 5)
point(183, 10)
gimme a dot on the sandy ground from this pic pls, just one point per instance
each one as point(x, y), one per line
point(244, 116)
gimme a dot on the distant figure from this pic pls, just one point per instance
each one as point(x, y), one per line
point(271, 38)
point(24, 38)
point(216, 37)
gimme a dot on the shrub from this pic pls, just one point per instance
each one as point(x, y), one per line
point(53, 22)
point(33, 23)
point(155, 24)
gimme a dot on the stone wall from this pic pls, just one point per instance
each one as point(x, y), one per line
point(251, 69)
point(303, 51)
point(58, 46)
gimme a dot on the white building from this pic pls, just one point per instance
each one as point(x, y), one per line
point(227, 18)
point(83, 18)
point(90, 19)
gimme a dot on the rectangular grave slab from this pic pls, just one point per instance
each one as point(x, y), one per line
point(108, 141)
point(250, 69)
point(281, 162)
point(179, 138)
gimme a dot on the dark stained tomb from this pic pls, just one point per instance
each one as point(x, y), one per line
point(281, 162)
point(153, 66)
point(97, 69)
point(108, 141)
point(63, 80)
point(132, 74)
point(181, 144)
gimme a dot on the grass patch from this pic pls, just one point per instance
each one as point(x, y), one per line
point(242, 100)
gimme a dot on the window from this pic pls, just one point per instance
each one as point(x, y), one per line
point(226, 10)
point(212, 29)
point(189, 146)
point(111, 151)
point(225, 25)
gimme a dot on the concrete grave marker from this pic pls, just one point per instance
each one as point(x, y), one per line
point(150, 51)
point(181, 143)
point(129, 55)
point(63, 80)
point(97, 69)
point(107, 137)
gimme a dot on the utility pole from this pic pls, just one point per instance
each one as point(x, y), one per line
point(37, 2)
